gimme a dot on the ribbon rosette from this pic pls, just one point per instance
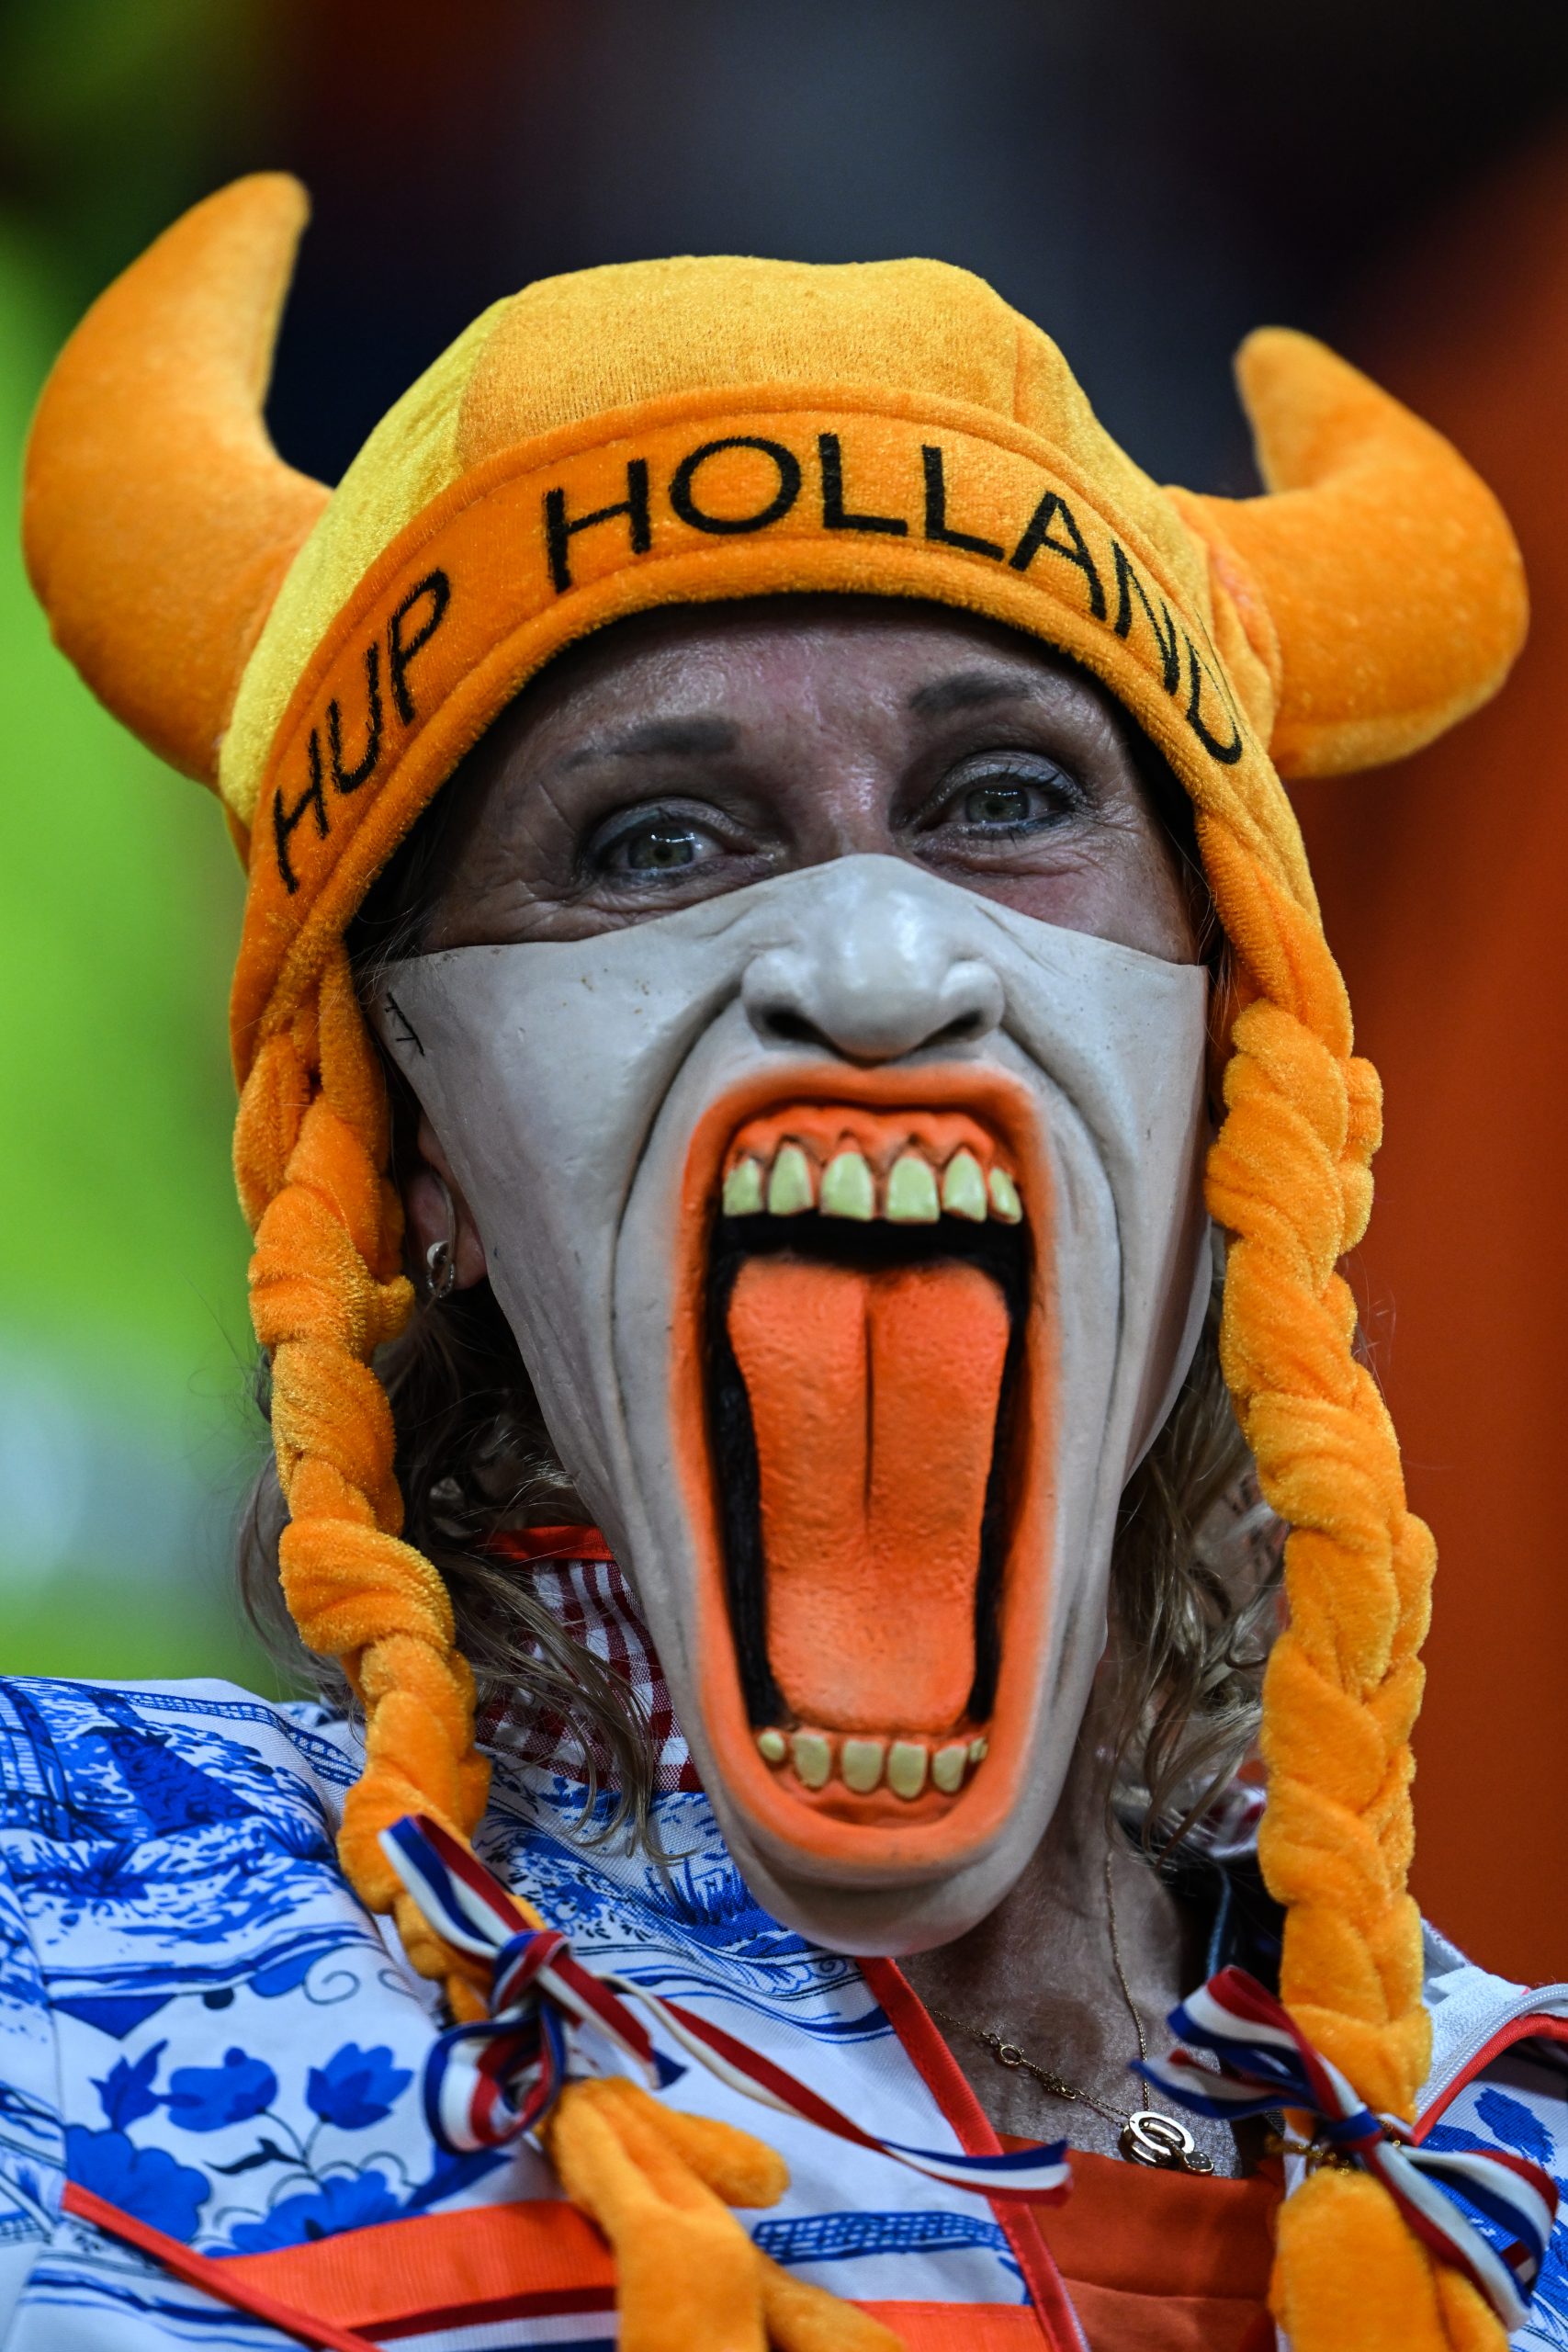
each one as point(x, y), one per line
point(1266, 2061)
point(488, 2083)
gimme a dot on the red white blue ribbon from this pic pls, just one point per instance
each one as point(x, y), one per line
point(1266, 2061)
point(488, 2083)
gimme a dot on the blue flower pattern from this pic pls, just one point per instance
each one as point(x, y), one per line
point(148, 2183)
point(356, 2088)
point(209, 2098)
point(171, 1908)
point(126, 2093)
point(341, 2201)
point(1525, 2123)
point(237, 2050)
point(198, 2024)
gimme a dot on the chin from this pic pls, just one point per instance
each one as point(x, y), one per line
point(885, 1918)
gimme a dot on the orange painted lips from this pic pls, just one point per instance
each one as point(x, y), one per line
point(872, 1367)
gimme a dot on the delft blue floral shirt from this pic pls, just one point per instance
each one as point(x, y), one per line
point(200, 2025)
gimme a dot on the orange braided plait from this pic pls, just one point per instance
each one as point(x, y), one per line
point(1287, 1177)
point(678, 432)
point(326, 1291)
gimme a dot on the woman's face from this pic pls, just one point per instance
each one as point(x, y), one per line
point(808, 1031)
point(691, 753)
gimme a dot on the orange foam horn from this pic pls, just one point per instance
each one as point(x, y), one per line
point(1393, 586)
point(158, 519)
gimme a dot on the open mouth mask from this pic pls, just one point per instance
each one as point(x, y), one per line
point(850, 1228)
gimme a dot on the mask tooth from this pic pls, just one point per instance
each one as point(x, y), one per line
point(771, 1746)
point(978, 1750)
point(1005, 1202)
point(847, 1188)
point(743, 1188)
point(860, 1764)
point(964, 1188)
point(948, 1766)
point(790, 1187)
point(906, 1762)
point(911, 1196)
point(813, 1757)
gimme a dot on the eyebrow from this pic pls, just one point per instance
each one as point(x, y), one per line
point(969, 689)
point(685, 738)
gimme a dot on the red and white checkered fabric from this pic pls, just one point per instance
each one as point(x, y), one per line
point(572, 1573)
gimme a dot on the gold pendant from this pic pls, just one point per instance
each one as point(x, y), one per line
point(1151, 2138)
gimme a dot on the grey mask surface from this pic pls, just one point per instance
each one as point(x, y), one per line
point(849, 1193)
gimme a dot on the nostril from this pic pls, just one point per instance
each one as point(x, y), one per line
point(963, 1029)
point(792, 1028)
point(786, 1026)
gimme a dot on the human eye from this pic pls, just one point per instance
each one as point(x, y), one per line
point(651, 844)
point(1005, 797)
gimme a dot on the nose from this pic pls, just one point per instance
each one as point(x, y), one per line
point(875, 969)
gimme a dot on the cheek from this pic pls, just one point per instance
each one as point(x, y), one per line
point(1128, 887)
point(1180, 896)
point(1146, 896)
point(508, 877)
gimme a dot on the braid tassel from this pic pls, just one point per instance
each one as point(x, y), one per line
point(660, 2184)
point(1289, 1177)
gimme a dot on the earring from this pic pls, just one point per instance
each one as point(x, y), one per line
point(440, 1272)
point(441, 1258)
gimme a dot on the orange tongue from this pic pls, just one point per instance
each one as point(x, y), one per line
point(874, 1398)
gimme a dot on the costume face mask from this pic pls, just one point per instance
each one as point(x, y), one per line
point(849, 1228)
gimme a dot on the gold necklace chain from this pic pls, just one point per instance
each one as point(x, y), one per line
point(1146, 2137)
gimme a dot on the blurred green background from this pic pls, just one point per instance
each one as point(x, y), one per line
point(125, 1436)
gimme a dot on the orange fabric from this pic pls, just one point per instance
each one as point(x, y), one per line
point(475, 594)
point(1154, 2262)
point(482, 2263)
point(158, 519)
point(1316, 560)
point(1343, 1681)
point(874, 1398)
point(954, 2095)
point(1287, 1177)
point(960, 2327)
point(1165, 2261)
point(684, 2271)
point(1442, 879)
point(495, 2261)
